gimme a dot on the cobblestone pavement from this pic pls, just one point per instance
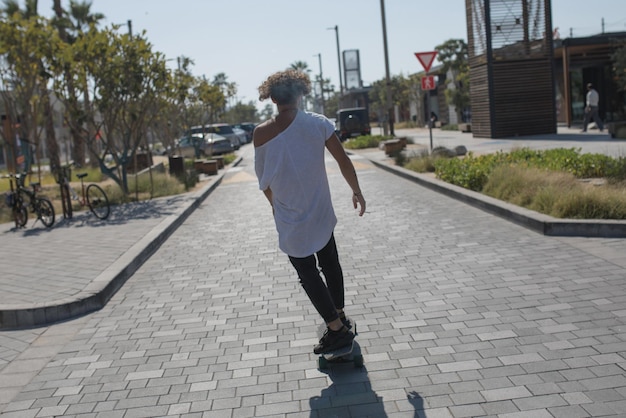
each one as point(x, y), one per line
point(459, 314)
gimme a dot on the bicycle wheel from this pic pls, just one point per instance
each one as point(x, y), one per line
point(45, 211)
point(98, 201)
point(20, 214)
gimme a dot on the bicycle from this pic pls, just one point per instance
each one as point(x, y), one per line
point(19, 211)
point(38, 205)
point(92, 196)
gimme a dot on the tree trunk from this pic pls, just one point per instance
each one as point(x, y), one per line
point(78, 149)
point(51, 140)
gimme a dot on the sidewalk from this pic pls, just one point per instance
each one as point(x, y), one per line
point(76, 266)
point(588, 142)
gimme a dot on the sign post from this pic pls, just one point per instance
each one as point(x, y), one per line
point(428, 84)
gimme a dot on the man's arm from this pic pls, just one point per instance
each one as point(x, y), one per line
point(347, 170)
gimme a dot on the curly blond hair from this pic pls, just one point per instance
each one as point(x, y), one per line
point(285, 86)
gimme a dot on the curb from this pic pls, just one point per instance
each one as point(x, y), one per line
point(535, 221)
point(96, 295)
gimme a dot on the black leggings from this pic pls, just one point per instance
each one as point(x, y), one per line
point(326, 297)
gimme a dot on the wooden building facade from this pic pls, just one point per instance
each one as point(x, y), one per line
point(511, 67)
point(579, 61)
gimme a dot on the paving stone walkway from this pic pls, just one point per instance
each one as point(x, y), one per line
point(460, 314)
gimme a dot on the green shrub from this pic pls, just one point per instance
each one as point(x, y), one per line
point(469, 172)
point(421, 162)
point(366, 141)
point(229, 158)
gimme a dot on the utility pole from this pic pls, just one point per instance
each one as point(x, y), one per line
point(336, 29)
point(389, 102)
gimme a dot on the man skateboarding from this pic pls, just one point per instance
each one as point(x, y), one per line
point(289, 163)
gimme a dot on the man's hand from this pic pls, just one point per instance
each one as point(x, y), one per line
point(359, 200)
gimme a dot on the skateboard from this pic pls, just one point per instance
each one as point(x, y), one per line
point(347, 354)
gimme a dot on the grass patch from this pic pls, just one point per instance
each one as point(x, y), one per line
point(557, 194)
point(229, 158)
point(547, 181)
point(420, 162)
point(451, 127)
point(164, 185)
point(366, 141)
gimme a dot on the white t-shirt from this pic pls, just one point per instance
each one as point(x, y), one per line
point(592, 98)
point(292, 166)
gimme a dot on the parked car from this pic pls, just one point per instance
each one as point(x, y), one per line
point(246, 126)
point(222, 129)
point(219, 144)
point(198, 145)
point(243, 135)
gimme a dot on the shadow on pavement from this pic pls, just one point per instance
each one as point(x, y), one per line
point(122, 214)
point(350, 394)
point(418, 404)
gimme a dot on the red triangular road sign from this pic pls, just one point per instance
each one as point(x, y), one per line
point(426, 59)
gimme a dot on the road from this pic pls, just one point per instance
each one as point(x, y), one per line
point(460, 313)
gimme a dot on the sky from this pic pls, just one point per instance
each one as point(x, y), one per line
point(250, 39)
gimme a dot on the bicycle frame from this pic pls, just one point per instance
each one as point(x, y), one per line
point(38, 205)
point(14, 201)
point(96, 201)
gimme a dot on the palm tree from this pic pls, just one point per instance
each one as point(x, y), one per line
point(229, 90)
point(13, 6)
point(300, 66)
point(81, 14)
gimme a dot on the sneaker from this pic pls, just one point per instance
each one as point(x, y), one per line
point(332, 340)
point(345, 320)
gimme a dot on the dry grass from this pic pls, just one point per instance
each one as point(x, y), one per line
point(557, 194)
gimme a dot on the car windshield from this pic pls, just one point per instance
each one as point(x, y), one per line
point(222, 129)
point(218, 129)
point(198, 130)
point(186, 140)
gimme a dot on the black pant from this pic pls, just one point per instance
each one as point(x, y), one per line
point(590, 115)
point(329, 296)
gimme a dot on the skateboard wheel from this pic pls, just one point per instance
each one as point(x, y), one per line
point(322, 363)
point(358, 360)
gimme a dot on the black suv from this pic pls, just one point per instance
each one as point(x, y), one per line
point(353, 122)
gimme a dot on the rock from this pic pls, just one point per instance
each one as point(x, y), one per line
point(460, 150)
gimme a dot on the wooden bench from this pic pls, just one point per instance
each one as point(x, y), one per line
point(208, 167)
point(220, 161)
point(465, 127)
point(394, 146)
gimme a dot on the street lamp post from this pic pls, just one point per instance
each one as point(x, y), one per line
point(336, 29)
point(319, 56)
point(389, 103)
